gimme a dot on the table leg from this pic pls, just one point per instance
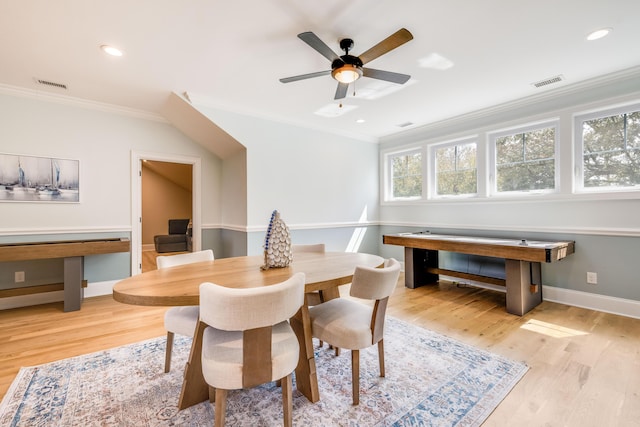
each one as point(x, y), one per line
point(306, 376)
point(329, 294)
point(194, 388)
point(416, 261)
point(73, 276)
point(524, 287)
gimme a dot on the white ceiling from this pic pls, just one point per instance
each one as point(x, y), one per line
point(230, 54)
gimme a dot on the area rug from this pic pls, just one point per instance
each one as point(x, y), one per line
point(431, 380)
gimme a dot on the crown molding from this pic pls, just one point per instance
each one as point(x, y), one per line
point(80, 103)
point(565, 93)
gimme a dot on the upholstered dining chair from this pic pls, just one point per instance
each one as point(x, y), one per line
point(248, 340)
point(347, 323)
point(180, 320)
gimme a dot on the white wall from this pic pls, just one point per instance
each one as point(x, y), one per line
point(315, 179)
point(102, 139)
point(102, 142)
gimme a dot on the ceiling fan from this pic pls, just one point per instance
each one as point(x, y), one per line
point(348, 68)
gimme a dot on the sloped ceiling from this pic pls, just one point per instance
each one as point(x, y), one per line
point(178, 173)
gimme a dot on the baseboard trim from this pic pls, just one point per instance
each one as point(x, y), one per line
point(606, 304)
point(93, 289)
point(97, 289)
point(33, 299)
point(603, 303)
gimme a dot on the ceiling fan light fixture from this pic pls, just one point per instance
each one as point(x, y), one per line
point(347, 73)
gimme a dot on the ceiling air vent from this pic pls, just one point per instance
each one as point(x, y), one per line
point(549, 81)
point(404, 125)
point(52, 84)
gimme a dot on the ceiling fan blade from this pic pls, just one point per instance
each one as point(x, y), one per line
point(396, 39)
point(305, 76)
point(314, 41)
point(385, 75)
point(341, 90)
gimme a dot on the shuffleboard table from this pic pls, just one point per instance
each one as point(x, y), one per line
point(523, 258)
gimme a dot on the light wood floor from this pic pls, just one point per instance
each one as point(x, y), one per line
point(584, 365)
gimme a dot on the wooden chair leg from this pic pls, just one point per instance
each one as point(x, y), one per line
point(355, 376)
point(381, 357)
point(167, 356)
point(212, 394)
point(221, 407)
point(337, 351)
point(287, 400)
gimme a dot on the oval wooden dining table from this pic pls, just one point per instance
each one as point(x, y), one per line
point(180, 285)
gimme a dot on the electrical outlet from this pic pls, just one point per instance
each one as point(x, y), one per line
point(19, 276)
point(592, 278)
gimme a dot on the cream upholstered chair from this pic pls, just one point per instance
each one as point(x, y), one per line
point(345, 323)
point(248, 340)
point(180, 320)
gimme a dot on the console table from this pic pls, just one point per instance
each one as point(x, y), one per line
point(523, 260)
point(73, 252)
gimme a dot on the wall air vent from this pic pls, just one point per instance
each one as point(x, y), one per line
point(51, 84)
point(549, 81)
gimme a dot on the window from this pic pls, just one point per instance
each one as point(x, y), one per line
point(406, 174)
point(455, 168)
point(525, 160)
point(610, 149)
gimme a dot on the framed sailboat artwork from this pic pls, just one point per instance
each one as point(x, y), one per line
point(39, 179)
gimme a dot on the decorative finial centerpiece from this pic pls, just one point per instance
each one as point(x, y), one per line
point(277, 244)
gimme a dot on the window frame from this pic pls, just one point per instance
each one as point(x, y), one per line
point(433, 169)
point(493, 136)
point(578, 120)
point(387, 178)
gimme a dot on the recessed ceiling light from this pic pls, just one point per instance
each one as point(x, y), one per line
point(360, 121)
point(598, 34)
point(113, 51)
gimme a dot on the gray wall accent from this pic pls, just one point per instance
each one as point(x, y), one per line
point(613, 258)
point(233, 243)
point(364, 239)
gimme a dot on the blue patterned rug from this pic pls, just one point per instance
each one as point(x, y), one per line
point(431, 380)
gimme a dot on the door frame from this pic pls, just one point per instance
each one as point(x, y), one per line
point(136, 201)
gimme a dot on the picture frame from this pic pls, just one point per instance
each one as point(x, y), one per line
point(25, 178)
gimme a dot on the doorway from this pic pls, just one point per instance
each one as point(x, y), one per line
point(167, 165)
point(167, 190)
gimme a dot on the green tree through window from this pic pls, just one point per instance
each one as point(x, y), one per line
point(611, 151)
point(456, 170)
point(406, 170)
point(525, 161)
